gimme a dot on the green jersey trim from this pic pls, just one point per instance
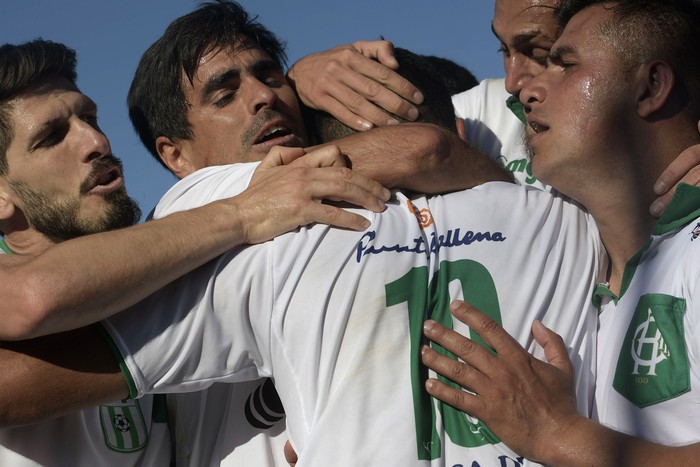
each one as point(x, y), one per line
point(5, 248)
point(683, 209)
point(133, 393)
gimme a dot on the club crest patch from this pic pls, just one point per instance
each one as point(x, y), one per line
point(653, 363)
point(123, 426)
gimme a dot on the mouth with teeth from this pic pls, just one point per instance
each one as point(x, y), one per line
point(274, 132)
point(538, 127)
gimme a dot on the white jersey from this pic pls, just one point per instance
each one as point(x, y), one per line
point(127, 433)
point(335, 316)
point(492, 126)
point(649, 345)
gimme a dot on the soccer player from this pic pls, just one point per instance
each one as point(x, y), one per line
point(636, 83)
point(323, 274)
point(59, 180)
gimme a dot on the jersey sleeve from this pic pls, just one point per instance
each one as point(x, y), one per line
point(210, 325)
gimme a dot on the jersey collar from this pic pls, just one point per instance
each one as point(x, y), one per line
point(683, 209)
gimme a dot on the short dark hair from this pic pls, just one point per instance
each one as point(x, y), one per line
point(157, 105)
point(21, 66)
point(437, 105)
point(456, 77)
point(644, 30)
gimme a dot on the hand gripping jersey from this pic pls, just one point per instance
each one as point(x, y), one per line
point(335, 316)
point(120, 434)
point(649, 346)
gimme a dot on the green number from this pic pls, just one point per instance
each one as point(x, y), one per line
point(431, 300)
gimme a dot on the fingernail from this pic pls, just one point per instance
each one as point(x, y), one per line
point(413, 113)
point(392, 121)
point(429, 384)
point(418, 97)
point(365, 125)
point(365, 224)
point(386, 194)
point(656, 208)
point(660, 187)
point(428, 325)
point(423, 349)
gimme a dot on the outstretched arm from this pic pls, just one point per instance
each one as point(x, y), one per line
point(87, 279)
point(530, 405)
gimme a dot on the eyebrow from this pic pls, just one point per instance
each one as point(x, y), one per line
point(218, 80)
point(519, 39)
point(556, 55)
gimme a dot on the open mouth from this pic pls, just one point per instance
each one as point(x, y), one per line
point(538, 127)
point(104, 182)
point(274, 132)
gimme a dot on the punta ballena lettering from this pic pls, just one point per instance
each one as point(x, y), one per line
point(452, 239)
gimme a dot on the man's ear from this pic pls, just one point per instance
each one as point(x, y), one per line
point(174, 157)
point(461, 130)
point(7, 203)
point(655, 86)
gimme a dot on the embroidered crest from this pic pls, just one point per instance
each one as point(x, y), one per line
point(123, 426)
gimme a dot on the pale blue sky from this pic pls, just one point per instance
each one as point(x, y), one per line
point(110, 37)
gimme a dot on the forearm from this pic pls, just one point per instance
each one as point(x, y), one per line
point(419, 157)
point(586, 443)
point(87, 279)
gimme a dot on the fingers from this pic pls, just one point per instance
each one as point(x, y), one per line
point(379, 50)
point(280, 199)
point(323, 156)
point(554, 348)
point(684, 168)
point(489, 330)
point(457, 398)
point(280, 155)
point(461, 373)
point(358, 91)
point(343, 184)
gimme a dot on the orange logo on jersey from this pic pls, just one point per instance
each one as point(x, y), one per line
point(425, 218)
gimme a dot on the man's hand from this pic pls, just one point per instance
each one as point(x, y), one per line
point(348, 84)
point(685, 168)
point(289, 186)
point(527, 403)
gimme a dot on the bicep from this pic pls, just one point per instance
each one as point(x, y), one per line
point(53, 375)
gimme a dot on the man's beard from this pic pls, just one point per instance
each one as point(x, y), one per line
point(59, 219)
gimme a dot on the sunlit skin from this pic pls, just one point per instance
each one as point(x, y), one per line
point(583, 153)
point(56, 145)
point(591, 79)
point(526, 31)
point(238, 96)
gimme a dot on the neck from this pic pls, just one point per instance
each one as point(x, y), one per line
point(618, 197)
point(27, 242)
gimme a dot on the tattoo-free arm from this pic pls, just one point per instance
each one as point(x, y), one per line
point(87, 279)
point(421, 157)
point(54, 375)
